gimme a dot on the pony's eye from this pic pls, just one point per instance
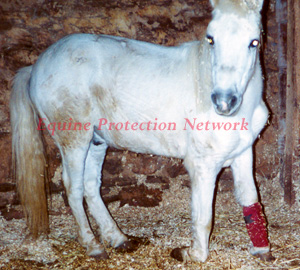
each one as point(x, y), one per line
point(210, 40)
point(254, 43)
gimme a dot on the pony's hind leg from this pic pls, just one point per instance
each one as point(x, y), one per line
point(92, 181)
point(73, 171)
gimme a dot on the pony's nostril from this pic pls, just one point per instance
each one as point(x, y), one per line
point(214, 98)
point(233, 101)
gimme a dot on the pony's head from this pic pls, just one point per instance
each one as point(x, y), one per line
point(234, 37)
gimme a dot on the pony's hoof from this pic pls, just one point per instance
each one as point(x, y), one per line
point(101, 256)
point(131, 245)
point(189, 254)
point(266, 257)
point(176, 253)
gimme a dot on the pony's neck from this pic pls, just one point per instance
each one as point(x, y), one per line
point(203, 79)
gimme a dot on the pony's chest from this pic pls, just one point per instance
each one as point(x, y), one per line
point(233, 137)
point(225, 142)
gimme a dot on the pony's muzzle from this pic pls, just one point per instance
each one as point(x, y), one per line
point(225, 103)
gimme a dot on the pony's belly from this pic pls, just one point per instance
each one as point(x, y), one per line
point(164, 143)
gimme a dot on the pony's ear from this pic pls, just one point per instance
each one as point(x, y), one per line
point(255, 5)
point(214, 3)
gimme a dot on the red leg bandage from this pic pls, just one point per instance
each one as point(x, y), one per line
point(256, 225)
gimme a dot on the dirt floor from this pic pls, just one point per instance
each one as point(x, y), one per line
point(166, 226)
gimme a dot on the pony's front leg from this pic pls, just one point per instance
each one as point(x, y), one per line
point(246, 194)
point(203, 176)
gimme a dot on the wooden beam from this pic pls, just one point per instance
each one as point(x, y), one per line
point(288, 20)
point(281, 20)
point(291, 146)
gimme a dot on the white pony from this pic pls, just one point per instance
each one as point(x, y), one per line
point(200, 101)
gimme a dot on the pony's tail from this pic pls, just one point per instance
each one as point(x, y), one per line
point(29, 160)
